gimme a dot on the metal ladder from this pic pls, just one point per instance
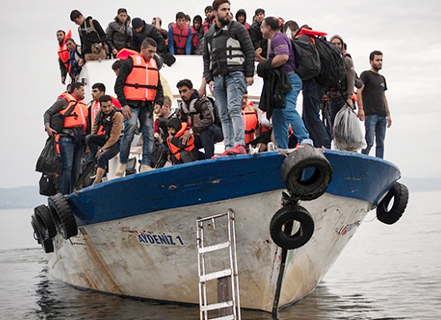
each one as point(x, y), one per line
point(230, 273)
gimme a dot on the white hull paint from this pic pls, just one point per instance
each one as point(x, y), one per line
point(118, 256)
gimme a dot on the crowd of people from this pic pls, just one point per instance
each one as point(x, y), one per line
point(230, 48)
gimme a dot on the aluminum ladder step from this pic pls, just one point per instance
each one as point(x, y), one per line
point(215, 247)
point(215, 275)
point(229, 317)
point(216, 306)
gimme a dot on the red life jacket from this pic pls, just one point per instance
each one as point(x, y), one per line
point(250, 122)
point(180, 38)
point(63, 53)
point(195, 37)
point(125, 53)
point(78, 117)
point(142, 83)
point(174, 149)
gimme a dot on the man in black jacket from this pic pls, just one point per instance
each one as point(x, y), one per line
point(229, 67)
point(259, 42)
point(142, 30)
point(92, 35)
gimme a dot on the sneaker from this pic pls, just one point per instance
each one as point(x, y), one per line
point(223, 154)
point(121, 170)
point(145, 168)
point(236, 150)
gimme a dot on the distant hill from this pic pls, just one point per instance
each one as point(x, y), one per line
point(20, 197)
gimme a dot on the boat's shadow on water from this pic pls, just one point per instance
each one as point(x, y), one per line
point(57, 301)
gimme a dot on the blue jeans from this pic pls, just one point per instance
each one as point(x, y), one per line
point(282, 118)
point(312, 98)
point(129, 132)
point(71, 151)
point(375, 126)
point(228, 91)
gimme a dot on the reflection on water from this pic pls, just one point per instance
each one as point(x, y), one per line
point(386, 272)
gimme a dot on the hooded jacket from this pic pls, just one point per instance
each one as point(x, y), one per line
point(244, 13)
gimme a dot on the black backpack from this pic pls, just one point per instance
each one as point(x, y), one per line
point(307, 59)
point(332, 71)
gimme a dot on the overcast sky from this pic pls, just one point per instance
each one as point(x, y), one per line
point(408, 33)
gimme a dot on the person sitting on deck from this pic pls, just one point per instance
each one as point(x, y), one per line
point(180, 151)
point(104, 141)
point(200, 114)
point(92, 35)
point(99, 90)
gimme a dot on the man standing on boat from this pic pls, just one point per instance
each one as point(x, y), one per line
point(372, 105)
point(139, 91)
point(68, 118)
point(228, 69)
point(281, 56)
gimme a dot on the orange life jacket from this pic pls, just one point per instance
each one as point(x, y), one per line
point(63, 53)
point(78, 117)
point(142, 83)
point(174, 149)
point(250, 122)
point(180, 38)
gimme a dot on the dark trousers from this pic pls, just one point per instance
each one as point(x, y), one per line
point(207, 138)
point(312, 98)
point(95, 142)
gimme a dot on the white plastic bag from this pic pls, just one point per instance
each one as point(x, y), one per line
point(347, 131)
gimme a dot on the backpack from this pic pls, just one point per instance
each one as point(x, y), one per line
point(307, 59)
point(332, 71)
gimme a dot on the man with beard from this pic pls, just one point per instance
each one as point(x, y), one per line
point(199, 113)
point(63, 53)
point(372, 105)
point(229, 68)
point(68, 118)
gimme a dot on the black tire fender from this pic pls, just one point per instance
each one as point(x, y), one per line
point(39, 235)
point(285, 216)
point(400, 196)
point(63, 216)
point(293, 167)
point(43, 213)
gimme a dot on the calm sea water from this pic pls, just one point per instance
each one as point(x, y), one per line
point(385, 272)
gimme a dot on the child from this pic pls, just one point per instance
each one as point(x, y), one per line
point(180, 152)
